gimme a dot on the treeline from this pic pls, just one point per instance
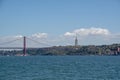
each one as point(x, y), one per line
point(113, 49)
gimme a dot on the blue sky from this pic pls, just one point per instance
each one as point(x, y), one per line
point(57, 17)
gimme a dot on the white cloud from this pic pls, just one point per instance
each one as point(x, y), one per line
point(18, 36)
point(92, 36)
point(40, 35)
point(88, 31)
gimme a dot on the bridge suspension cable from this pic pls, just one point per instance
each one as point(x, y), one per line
point(8, 42)
point(38, 42)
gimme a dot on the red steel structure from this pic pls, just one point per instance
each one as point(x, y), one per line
point(24, 46)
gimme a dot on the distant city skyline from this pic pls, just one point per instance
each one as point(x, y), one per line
point(58, 21)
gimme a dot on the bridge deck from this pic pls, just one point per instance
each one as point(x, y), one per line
point(16, 48)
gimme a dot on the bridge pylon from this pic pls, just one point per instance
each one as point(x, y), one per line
point(24, 46)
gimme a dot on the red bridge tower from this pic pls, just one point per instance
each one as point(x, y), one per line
point(24, 46)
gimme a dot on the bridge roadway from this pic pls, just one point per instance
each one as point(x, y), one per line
point(16, 48)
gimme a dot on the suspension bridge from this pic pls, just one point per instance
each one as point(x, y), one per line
point(24, 44)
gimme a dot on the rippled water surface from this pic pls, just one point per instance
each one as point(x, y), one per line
point(60, 68)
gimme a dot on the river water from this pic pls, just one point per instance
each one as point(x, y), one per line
point(60, 68)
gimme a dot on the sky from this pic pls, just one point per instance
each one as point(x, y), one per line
point(59, 21)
